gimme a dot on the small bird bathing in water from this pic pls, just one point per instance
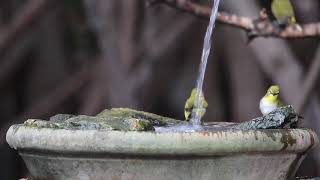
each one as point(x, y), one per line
point(190, 106)
point(271, 100)
point(283, 11)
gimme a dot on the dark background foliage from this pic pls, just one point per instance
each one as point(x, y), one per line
point(81, 57)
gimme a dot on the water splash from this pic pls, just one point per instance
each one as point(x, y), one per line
point(196, 118)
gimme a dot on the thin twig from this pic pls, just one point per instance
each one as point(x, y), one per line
point(261, 26)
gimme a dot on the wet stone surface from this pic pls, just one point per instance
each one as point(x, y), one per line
point(121, 119)
point(283, 117)
point(124, 119)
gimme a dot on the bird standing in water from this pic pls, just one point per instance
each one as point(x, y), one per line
point(190, 106)
point(283, 11)
point(270, 101)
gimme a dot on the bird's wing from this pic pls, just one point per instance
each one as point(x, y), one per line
point(188, 108)
point(282, 9)
point(205, 103)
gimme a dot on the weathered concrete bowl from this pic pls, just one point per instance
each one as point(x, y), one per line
point(222, 155)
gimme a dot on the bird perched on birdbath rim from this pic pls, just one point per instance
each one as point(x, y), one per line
point(271, 100)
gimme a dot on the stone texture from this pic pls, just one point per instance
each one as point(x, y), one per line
point(237, 167)
point(113, 145)
point(283, 117)
point(95, 154)
point(154, 119)
point(121, 119)
point(124, 119)
point(60, 117)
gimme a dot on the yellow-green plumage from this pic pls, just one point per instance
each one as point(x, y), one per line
point(190, 108)
point(283, 11)
point(270, 101)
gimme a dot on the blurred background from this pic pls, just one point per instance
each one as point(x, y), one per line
point(81, 57)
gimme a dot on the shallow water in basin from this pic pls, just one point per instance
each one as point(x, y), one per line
point(213, 126)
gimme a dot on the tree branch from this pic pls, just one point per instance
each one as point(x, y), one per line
point(261, 26)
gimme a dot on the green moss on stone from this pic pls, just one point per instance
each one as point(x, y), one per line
point(37, 123)
point(87, 123)
point(287, 140)
point(154, 119)
point(121, 119)
point(61, 117)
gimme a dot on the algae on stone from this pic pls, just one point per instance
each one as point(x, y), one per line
point(61, 117)
point(111, 123)
point(155, 120)
point(121, 119)
point(124, 119)
point(86, 123)
point(42, 124)
point(130, 124)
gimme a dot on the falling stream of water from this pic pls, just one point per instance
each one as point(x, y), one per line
point(196, 118)
point(97, 23)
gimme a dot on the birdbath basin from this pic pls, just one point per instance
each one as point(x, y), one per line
point(55, 153)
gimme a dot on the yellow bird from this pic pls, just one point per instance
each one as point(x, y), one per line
point(271, 100)
point(190, 106)
point(283, 11)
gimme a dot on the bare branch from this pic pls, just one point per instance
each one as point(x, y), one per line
point(255, 27)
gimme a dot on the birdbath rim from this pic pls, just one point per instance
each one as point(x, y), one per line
point(33, 139)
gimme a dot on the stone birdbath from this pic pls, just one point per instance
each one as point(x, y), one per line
point(127, 144)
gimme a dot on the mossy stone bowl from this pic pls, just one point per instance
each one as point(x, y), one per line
point(53, 153)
